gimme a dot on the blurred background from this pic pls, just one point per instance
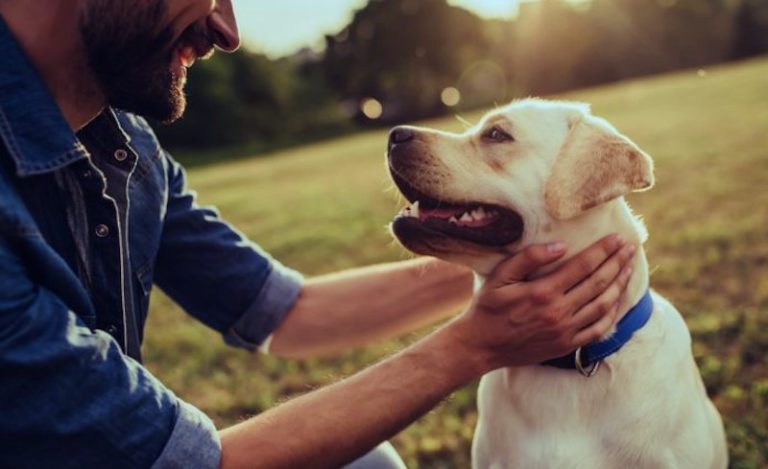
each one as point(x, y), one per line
point(287, 136)
point(316, 69)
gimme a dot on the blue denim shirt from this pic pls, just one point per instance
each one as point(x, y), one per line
point(75, 281)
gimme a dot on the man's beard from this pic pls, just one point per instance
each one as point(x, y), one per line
point(131, 57)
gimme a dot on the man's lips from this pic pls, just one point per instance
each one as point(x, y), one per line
point(195, 43)
point(187, 56)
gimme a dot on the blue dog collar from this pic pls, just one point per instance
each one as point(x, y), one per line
point(587, 359)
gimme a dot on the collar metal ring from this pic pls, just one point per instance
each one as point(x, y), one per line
point(587, 372)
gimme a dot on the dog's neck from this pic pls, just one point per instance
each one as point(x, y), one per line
point(581, 232)
point(613, 217)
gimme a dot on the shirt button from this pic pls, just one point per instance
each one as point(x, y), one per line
point(111, 329)
point(87, 173)
point(102, 231)
point(120, 154)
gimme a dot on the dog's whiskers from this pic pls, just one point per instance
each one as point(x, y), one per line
point(464, 122)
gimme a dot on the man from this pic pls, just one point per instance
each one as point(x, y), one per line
point(93, 212)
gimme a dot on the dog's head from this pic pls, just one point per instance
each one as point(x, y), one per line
point(522, 172)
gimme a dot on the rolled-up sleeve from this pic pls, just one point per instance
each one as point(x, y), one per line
point(276, 297)
point(217, 275)
point(70, 398)
point(194, 438)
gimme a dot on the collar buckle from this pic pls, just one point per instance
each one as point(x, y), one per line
point(589, 371)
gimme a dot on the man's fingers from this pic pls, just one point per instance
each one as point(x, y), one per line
point(519, 266)
point(597, 283)
point(583, 264)
point(604, 304)
point(598, 329)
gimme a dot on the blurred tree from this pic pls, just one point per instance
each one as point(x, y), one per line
point(557, 47)
point(230, 96)
point(654, 36)
point(404, 53)
point(561, 45)
point(243, 98)
point(752, 29)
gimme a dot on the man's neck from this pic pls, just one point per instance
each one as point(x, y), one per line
point(48, 33)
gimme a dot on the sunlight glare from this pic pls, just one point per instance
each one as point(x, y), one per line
point(489, 8)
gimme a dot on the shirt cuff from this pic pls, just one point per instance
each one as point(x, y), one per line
point(194, 442)
point(276, 298)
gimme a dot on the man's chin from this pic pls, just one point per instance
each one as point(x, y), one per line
point(166, 106)
point(173, 111)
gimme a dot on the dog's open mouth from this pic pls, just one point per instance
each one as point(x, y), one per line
point(476, 222)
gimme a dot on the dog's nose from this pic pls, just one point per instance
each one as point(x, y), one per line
point(401, 135)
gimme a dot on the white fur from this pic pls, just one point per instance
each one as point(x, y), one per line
point(647, 406)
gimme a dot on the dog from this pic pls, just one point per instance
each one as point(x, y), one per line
point(539, 171)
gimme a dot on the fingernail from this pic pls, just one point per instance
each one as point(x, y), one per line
point(619, 240)
point(630, 250)
point(626, 273)
point(556, 248)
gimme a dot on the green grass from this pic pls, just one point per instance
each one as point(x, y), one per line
point(324, 207)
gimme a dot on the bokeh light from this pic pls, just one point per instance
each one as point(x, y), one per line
point(372, 108)
point(450, 96)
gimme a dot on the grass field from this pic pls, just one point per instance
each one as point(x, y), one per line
point(324, 207)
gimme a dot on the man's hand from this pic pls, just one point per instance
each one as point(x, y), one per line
point(513, 321)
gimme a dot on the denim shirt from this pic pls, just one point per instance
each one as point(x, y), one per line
point(77, 265)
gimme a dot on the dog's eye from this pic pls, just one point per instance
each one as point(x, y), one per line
point(497, 135)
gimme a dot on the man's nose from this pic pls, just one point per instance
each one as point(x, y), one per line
point(224, 26)
point(401, 135)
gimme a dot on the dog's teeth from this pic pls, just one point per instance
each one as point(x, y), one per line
point(408, 212)
point(453, 220)
point(466, 217)
point(478, 213)
point(415, 209)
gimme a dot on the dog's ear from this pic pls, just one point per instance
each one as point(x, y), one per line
point(596, 164)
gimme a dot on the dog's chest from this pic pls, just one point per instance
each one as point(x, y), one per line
point(544, 417)
point(538, 418)
point(522, 412)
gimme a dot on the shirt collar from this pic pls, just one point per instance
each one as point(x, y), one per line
point(32, 127)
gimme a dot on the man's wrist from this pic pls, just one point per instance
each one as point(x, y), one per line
point(471, 362)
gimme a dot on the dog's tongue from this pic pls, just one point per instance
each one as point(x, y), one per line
point(444, 213)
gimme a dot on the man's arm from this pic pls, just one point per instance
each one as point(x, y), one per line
point(359, 306)
point(70, 398)
point(231, 285)
point(511, 322)
point(215, 273)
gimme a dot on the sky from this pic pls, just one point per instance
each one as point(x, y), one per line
point(281, 27)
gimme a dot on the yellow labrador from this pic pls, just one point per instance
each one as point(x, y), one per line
point(540, 171)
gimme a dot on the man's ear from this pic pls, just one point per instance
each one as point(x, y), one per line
point(596, 164)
